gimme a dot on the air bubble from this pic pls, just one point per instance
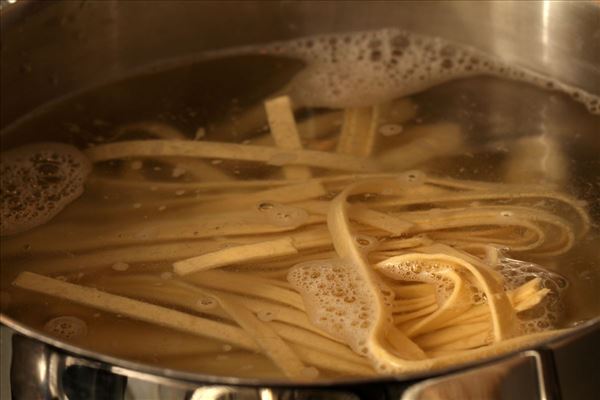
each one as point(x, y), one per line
point(265, 315)
point(178, 172)
point(546, 314)
point(120, 266)
point(412, 178)
point(366, 242)
point(390, 130)
point(38, 181)
point(166, 275)
point(66, 327)
point(416, 269)
point(206, 303)
point(265, 206)
point(283, 215)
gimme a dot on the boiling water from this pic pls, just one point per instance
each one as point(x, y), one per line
point(501, 119)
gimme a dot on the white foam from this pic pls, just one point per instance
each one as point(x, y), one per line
point(432, 272)
point(365, 68)
point(546, 314)
point(38, 181)
point(336, 299)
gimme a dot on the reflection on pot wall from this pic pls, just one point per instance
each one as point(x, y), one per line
point(93, 41)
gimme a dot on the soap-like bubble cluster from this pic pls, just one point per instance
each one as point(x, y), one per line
point(387, 295)
point(336, 299)
point(434, 272)
point(546, 314)
point(365, 68)
point(66, 327)
point(38, 181)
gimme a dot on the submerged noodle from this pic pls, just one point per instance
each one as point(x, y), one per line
point(322, 272)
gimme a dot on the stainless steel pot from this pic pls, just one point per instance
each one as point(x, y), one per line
point(54, 48)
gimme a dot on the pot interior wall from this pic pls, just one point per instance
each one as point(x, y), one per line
point(50, 49)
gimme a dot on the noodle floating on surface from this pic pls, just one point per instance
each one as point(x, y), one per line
point(370, 271)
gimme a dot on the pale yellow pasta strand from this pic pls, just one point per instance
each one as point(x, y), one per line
point(344, 244)
point(329, 362)
point(134, 309)
point(389, 223)
point(231, 255)
point(266, 338)
point(283, 129)
point(228, 151)
point(431, 141)
point(308, 338)
point(197, 168)
point(359, 131)
point(247, 285)
point(278, 312)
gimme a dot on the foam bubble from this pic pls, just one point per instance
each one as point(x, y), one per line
point(365, 68)
point(282, 215)
point(265, 315)
point(206, 303)
point(546, 314)
point(38, 181)
point(365, 242)
point(432, 272)
point(390, 129)
point(412, 178)
point(66, 327)
point(336, 299)
point(120, 266)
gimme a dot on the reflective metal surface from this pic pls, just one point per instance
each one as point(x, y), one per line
point(516, 377)
point(42, 371)
point(51, 48)
point(54, 48)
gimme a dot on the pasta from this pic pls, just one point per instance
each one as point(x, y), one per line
point(339, 261)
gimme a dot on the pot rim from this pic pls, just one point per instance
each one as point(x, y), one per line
point(140, 370)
